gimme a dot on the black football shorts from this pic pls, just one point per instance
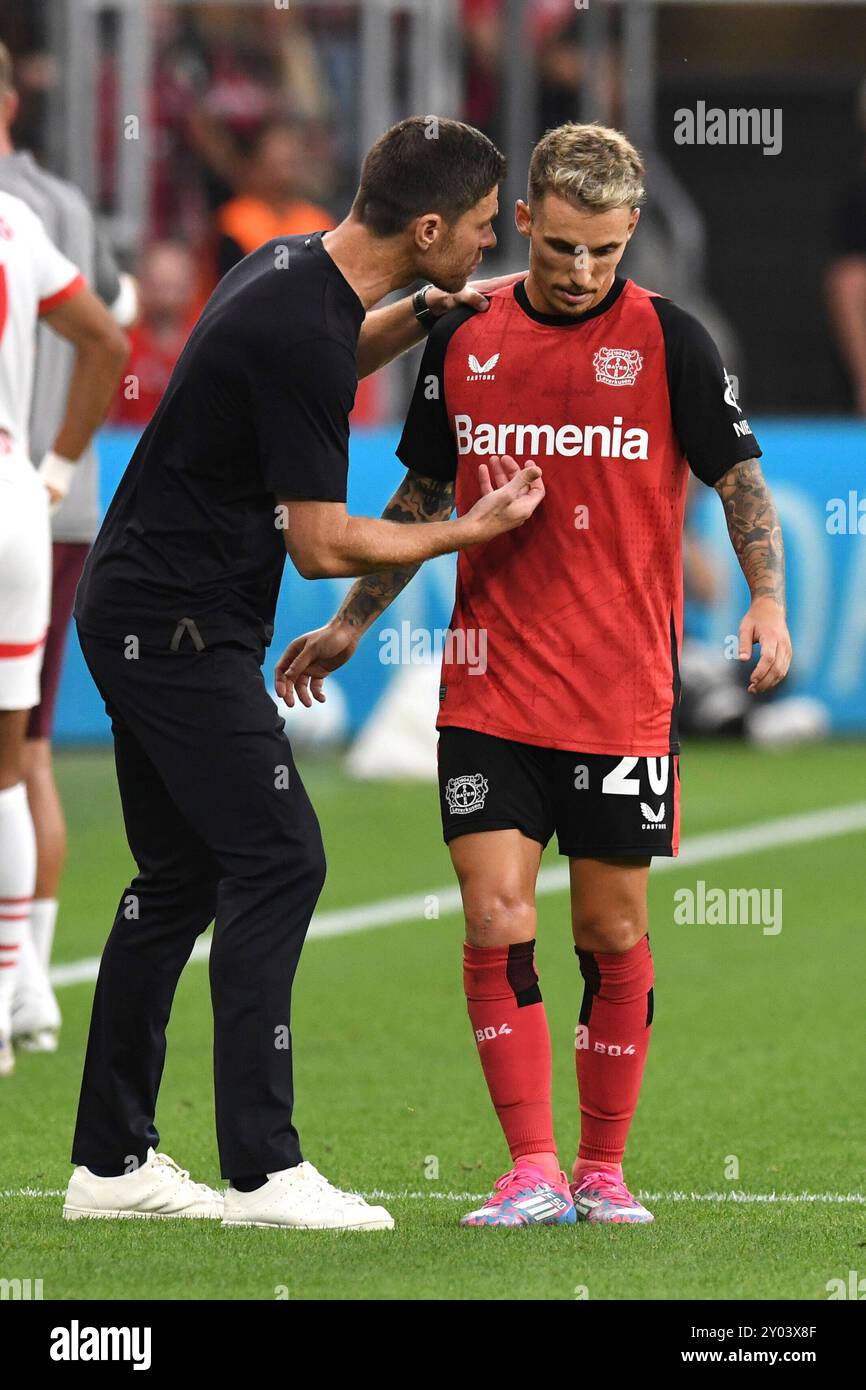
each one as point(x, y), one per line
point(600, 806)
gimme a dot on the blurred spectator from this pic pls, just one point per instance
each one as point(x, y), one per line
point(335, 32)
point(242, 94)
point(212, 91)
point(223, 73)
point(274, 203)
point(23, 30)
point(484, 37)
point(554, 29)
point(167, 299)
point(846, 274)
point(562, 62)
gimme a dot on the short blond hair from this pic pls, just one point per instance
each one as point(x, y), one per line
point(592, 166)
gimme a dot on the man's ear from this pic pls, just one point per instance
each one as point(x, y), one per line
point(523, 218)
point(633, 225)
point(428, 230)
point(11, 103)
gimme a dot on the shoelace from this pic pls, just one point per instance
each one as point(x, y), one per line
point(183, 1173)
point(513, 1182)
point(319, 1182)
point(608, 1182)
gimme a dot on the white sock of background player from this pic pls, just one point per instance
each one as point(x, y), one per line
point(43, 916)
point(17, 880)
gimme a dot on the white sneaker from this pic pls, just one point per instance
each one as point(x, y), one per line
point(157, 1190)
point(35, 1011)
point(7, 1056)
point(301, 1197)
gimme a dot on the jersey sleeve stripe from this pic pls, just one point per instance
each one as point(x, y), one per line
point(15, 649)
point(53, 300)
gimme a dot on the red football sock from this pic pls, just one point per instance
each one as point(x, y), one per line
point(513, 1040)
point(612, 1042)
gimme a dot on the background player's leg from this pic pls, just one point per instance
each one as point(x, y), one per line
point(36, 1013)
point(50, 825)
point(609, 919)
point(17, 869)
point(497, 870)
point(25, 583)
point(170, 901)
point(45, 804)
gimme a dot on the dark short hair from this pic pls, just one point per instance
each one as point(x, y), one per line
point(7, 79)
point(425, 164)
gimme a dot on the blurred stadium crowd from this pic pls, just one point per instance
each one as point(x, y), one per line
point(255, 133)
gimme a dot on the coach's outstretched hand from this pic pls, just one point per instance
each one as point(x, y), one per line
point(304, 664)
point(509, 496)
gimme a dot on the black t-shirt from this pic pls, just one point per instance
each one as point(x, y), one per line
point(849, 229)
point(256, 410)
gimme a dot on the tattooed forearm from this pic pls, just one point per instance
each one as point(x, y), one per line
point(753, 526)
point(416, 499)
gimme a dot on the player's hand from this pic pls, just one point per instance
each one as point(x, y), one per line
point(309, 659)
point(765, 623)
point(55, 497)
point(509, 496)
point(472, 294)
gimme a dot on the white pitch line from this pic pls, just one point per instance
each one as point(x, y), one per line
point(856, 1198)
point(698, 849)
point(853, 1198)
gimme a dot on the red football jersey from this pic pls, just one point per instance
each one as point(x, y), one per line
point(566, 631)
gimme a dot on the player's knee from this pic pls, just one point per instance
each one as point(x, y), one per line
point(613, 931)
point(497, 915)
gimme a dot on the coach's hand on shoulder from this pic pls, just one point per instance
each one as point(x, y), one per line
point(474, 294)
point(509, 496)
point(304, 664)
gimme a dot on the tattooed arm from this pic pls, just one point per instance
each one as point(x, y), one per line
point(310, 658)
point(753, 526)
point(416, 499)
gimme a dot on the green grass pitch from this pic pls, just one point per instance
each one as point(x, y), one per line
point(757, 1057)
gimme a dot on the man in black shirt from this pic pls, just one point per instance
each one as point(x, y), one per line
point(846, 281)
point(245, 459)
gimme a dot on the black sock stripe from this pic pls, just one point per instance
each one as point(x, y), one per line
point(521, 973)
point(589, 969)
point(532, 995)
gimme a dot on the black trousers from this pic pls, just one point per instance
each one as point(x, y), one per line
point(221, 828)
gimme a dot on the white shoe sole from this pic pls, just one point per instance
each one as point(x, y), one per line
point(42, 1040)
point(305, 1226)
point(130, 1214)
